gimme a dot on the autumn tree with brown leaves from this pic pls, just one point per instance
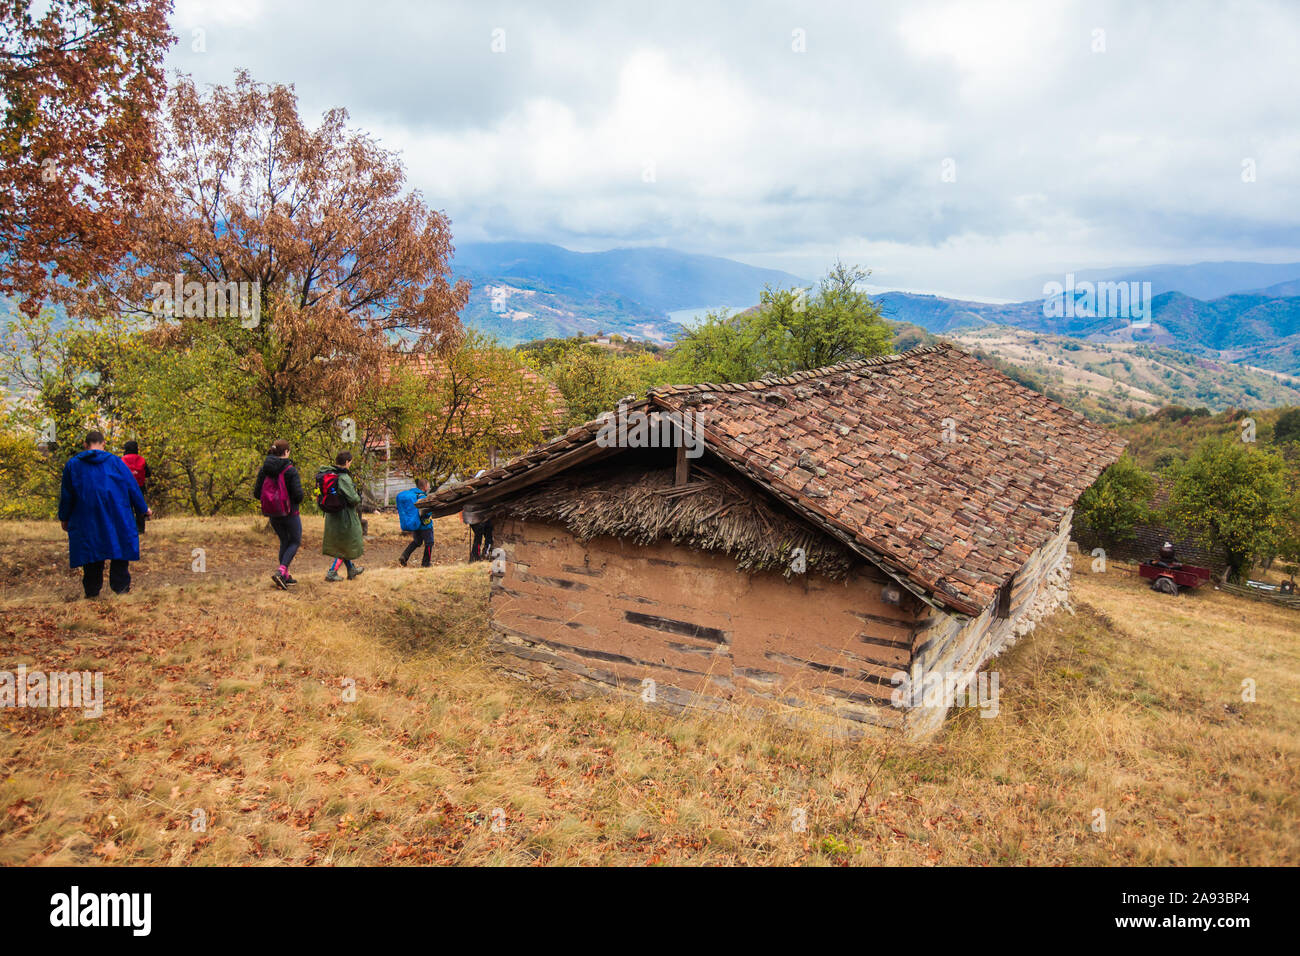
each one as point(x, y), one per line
point(80, 87)
point(340, 264)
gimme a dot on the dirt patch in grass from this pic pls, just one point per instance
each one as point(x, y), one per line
point(173, 550)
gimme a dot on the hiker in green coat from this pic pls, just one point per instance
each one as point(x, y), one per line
point(341, 503)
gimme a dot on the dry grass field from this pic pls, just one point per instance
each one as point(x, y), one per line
point(225, 706)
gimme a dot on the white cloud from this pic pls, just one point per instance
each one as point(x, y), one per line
point(198, 13)
point(1065, 157)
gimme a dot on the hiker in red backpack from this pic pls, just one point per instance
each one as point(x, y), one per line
point(279, 489)
point(140, 472)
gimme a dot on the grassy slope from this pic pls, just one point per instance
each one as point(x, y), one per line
point(224, 694)
point(1146, 439)
point(1103, 380)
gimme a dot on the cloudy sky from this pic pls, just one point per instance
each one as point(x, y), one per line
point(949, 147)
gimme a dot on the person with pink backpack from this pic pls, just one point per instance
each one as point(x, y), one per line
point(279, 489)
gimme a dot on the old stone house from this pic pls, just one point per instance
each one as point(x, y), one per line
point(846, 539)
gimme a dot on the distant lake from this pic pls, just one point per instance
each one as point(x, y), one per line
point(683, 316)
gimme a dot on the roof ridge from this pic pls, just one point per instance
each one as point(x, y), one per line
point(795, 378)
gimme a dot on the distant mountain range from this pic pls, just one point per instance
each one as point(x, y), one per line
point(527, 290)
point(1203, 280)
point(1245, 312)
point(1258, 328)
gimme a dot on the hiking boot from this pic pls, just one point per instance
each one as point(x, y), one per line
point(402, 561)
point(280, 581)
point(355, 571)
point(290, 580)
point(332, 575)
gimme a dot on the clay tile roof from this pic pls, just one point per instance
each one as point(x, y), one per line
point(939, 469)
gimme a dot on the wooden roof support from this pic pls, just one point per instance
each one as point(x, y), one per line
point(590, 451)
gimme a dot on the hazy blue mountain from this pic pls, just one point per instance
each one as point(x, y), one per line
point(1237, 311)
point(1280, 289)
point(661, 279)
point(1203, 280)
point(528, 290)
point(937, 314)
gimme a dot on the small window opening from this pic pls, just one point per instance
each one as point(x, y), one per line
point(1004, 598)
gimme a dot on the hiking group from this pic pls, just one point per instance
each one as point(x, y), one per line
point(102, 508)
point(279, 489)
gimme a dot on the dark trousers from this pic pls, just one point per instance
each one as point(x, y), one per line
point(139, 523)
point(119, 577)
point(288, 528)
point(481, 549)
point(422, 537)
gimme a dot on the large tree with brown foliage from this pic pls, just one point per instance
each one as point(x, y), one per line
point(80, 86)
point(344, 261)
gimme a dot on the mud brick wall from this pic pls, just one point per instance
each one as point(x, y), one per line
point(610, 615)
point(961, 647)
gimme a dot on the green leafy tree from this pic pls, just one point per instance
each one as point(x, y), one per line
point(719, 348)
point(1234, 495)
point(28, 487)
point(1166, 457)
point(1287, 427)
point(789, 331)
point(837, 324)
point(191, 410)
point(1116, 502)
point(541, 353)
point(60, 380)
point(199, 425)
point(593, 379)
point(1288, 551)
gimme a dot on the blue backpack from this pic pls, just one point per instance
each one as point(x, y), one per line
point(407, 514)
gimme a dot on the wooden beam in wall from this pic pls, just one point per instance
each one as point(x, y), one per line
point(683, 466)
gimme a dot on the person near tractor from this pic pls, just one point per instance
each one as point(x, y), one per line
point(1166, 557)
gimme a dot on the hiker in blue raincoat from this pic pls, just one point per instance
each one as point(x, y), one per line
point(98, 503)
point(418, 525)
